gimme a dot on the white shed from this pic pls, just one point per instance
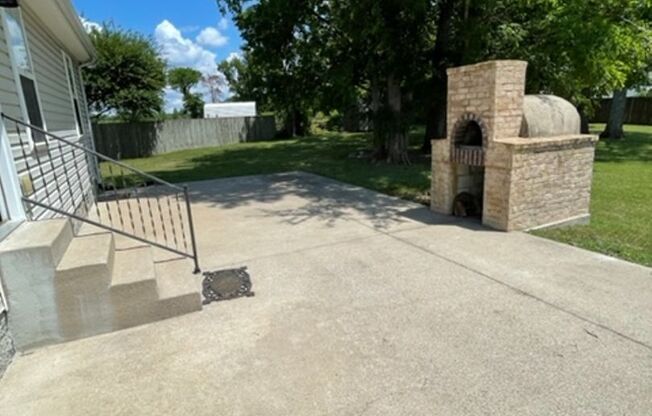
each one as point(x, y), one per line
point(225, 110)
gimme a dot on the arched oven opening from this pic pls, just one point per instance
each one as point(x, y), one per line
point(469, 133)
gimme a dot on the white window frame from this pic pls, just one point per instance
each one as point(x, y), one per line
point(31, 76)
point(13, 207)
point(69, 66)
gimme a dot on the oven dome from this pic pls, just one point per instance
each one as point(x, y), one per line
point(548, 116)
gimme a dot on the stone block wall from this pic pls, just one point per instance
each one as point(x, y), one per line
point(550, 182)
point(493, 91)
point(509, 90)
point(442, 187)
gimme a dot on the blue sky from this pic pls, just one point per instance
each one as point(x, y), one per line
point(190, 33)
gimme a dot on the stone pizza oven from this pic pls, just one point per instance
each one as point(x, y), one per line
point(517, 161)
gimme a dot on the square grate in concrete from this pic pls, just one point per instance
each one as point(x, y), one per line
point(226, 284)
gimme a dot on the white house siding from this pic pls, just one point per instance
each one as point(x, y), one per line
point(8, 94)
point(73, 184)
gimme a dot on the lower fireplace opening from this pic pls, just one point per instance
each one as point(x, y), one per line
point(468, 200)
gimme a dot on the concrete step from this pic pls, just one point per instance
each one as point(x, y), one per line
point(82, 286)
point(89, 258)
point(134, 272)
point(50, 236)
point(82, 281)
point(179, 290)
point(133, 289)
point(28, 258)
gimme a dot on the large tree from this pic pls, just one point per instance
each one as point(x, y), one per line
point(241, 79)
point(128, 76)
point(317, 54)
point(183, 80)
point(577, 49)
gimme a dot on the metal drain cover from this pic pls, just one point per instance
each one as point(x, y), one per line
point(226, 284)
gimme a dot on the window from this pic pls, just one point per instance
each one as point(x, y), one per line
point(24, 73)
point(17, 41)
point(74, 92)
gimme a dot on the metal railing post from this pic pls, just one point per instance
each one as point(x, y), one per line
point(191, 225)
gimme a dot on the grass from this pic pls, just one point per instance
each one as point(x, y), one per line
point(328, 154)
point(621, 223)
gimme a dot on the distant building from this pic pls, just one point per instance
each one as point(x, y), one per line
point(226, 110)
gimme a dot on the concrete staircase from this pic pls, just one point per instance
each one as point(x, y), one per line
point(88, 284)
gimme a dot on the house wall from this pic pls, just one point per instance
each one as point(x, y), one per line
point(60, 176)
point(48, 182)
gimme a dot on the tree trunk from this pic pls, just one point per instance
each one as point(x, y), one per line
point(614, 128)
point(295, 123)
point(380, 151)
point(436, 117)
point(442, 57)
point(584, 121)
point(299, 123)
point(397, 140)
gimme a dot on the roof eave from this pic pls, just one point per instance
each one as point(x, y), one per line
point(62, 20)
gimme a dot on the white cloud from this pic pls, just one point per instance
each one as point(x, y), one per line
point(211, 37)
point(89, 25)
point(234, 55)
point(223, 24)
point(179, 51)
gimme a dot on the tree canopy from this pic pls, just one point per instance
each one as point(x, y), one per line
point(240, 77)
point(303, 56)
point(128, 76)
point(183, 80)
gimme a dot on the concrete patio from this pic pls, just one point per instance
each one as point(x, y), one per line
point(365, 305)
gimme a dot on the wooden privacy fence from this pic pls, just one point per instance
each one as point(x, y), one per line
point(637, 111)
point(133, 140)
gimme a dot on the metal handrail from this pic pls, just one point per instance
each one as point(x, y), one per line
point(94, 153)
point(172, 222)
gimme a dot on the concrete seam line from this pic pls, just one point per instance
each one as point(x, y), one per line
point(297, 251)
point(517, 290)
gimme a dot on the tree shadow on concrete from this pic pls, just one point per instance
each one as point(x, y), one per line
point(317, 198)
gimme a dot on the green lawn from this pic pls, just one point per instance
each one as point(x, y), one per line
point(328, 154)
point(621, 223)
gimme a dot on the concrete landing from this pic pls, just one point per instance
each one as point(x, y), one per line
point(365, 305)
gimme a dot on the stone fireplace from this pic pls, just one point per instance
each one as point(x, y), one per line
point(516, 161)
